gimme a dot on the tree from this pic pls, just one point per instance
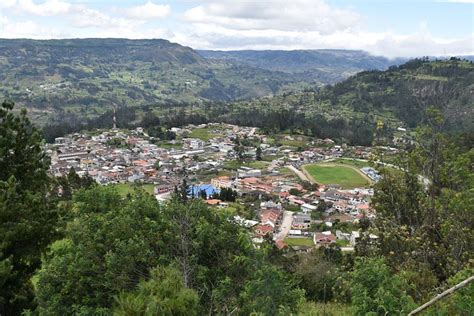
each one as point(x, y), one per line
point(109, 245)
point(258, 153)
point(377, 291)
point(268, 291)
point(294, 191)
point(227, 194)
point(424, 213)
point(28, 217)
point(317, 276)
point(162, 294)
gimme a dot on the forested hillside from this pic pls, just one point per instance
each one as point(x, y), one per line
point(369, 103)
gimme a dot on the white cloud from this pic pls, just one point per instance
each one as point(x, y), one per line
point(302, 15)
point(148, 11)
point(303, 24)
point(85, 17)
point(7, 3)
point(27, 29)
point(47, 8)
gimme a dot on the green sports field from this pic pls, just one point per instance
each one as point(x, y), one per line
point(345, 176)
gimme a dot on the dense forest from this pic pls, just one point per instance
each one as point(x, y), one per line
point(90, 251)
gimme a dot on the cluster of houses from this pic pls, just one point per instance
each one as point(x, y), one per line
point(117, 156)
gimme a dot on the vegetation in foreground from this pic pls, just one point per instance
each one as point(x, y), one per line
point(100, 253)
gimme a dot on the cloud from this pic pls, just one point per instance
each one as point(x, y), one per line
point(85, 17)
point(303, 24)
point(302, 15)
point(28, 29)
point(47, 8)
point(148, 11)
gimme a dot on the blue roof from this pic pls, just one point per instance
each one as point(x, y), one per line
point(208, 188)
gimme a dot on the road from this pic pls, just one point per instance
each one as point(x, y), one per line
point(285, 226)
point(299, 173)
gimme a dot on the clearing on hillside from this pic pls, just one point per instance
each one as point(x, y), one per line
point(346, 176)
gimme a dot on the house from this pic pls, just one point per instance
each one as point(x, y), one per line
point(246, 172)
point(324, 238)
point(222, 182)
point(295, 232)
point(301, 221)
point(308, 208)
point(263, 230)
point(270, 216)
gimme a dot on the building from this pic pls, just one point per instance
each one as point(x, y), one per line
point(246, 172)
point(308, 208)
point(301, 221)
point(324, 238)
point(263, 230)
point(195, 190)
point(222, 182)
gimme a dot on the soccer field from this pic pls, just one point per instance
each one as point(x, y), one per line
point(342, 175)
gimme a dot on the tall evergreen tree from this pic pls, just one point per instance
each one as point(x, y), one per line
point(27, 216)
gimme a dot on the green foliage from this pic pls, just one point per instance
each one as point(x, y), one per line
point(377, 291)
point(112, 243)
point(317, 276)
point(28, 216)
point(108, 247)
point(425, 218)
point(268, 291)
point(162, 294)
point(460, 302)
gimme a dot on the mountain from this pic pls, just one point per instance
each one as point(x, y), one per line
point(88, 76)
point(324, 65)
point(371, 102)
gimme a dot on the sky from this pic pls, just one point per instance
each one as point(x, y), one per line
point(391, 28)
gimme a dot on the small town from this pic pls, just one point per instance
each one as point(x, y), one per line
point(278, 189)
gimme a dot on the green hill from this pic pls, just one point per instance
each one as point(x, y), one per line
point(89, 76)
point(351, 110)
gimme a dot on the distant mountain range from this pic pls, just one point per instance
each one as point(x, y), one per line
point(325, 65)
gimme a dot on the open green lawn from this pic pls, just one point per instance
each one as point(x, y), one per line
point(203, 133)
point(305, 242)
point(125, 188)
point(339, 174)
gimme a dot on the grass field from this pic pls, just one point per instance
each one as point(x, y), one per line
point(125, 188)
point(304, 242)
point(339, 174)
point(203, 133)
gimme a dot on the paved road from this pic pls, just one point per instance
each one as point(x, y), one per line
point(299, 173)
point(285, 226)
